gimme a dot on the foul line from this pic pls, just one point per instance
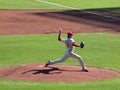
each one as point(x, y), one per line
point(55, 4)
point(69, 7)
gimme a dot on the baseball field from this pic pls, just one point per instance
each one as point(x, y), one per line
point(28, 39)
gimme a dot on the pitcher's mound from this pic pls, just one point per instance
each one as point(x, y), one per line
point(55, 73)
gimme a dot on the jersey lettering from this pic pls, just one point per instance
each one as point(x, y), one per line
point(68, 44)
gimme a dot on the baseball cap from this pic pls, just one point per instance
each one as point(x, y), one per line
point(70, 33)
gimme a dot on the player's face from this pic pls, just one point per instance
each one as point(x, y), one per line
point(69, 36)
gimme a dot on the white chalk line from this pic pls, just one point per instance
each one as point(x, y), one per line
point(74, 8)
point(56, 4)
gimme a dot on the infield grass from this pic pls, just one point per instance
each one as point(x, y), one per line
point(101, 50)
point(101, 85)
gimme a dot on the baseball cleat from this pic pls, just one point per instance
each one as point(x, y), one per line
point(84, 70)
point(47, 64)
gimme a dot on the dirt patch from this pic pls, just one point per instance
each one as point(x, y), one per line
point(14, 22)
point(55, 73)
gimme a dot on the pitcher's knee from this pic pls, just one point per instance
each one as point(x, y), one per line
point(79, 58)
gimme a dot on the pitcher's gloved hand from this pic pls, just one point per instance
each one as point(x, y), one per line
point(82, 44)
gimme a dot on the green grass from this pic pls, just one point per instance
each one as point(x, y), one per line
point(87, 4)
point(106, 85)
point(104, 49)
point(109, 5)
point(101, 50)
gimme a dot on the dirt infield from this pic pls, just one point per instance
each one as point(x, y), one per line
point(55, 73)
point(19, 22)
point(14, 22)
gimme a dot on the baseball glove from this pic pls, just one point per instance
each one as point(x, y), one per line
point(82, 44)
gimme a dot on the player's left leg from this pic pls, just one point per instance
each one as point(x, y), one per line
point(79, 58)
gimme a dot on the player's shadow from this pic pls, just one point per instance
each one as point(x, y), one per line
point(43, 71)
point(49, 70)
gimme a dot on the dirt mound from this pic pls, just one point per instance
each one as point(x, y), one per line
point(55, 73)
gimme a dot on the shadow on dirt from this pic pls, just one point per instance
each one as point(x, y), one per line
point(74, 15)
point(49, 70)
point(99, 17)
point(43, 71)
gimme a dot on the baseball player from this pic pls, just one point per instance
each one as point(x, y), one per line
point(70, 44)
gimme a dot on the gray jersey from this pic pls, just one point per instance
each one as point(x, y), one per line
point(68, 42)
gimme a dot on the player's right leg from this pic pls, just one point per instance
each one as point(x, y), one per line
point(57, 61)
